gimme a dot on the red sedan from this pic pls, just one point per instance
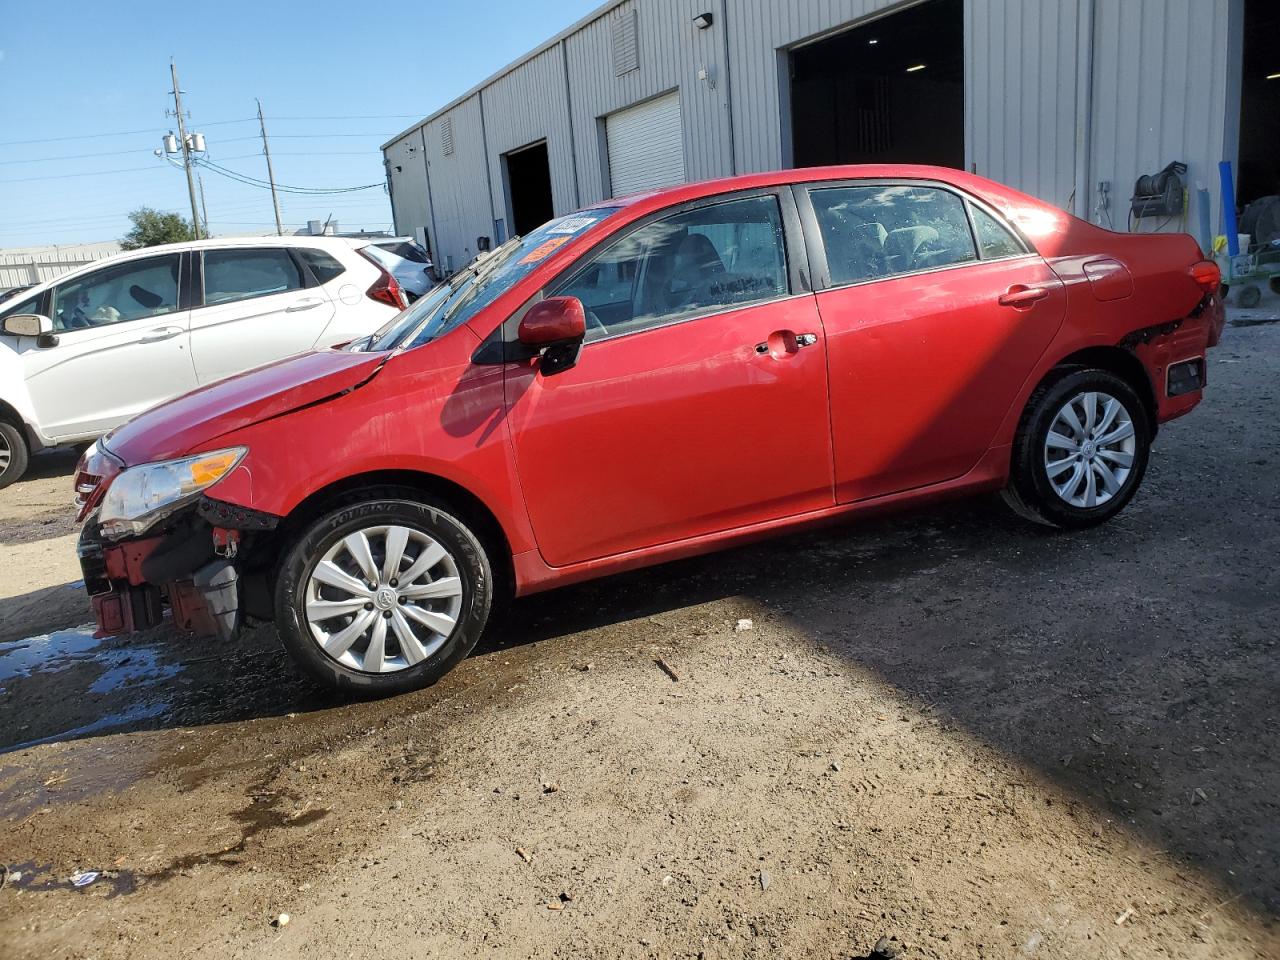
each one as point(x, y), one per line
point(646, 379)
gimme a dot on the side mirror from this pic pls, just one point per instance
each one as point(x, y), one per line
point(27, 325)
point(553, 331)
point(552, 321)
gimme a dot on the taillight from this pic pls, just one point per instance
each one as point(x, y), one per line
point(1207, 275)
point(385, 289)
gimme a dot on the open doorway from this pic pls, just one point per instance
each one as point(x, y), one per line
point(887, 91)
point(1259, 173)
point(528, 174)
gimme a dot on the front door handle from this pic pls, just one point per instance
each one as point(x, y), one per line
point(161, 333)
point(784, 342)
point(310, 303)
point(1022, 297)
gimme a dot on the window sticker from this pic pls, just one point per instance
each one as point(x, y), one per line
point(573, 225)
point(544, 250)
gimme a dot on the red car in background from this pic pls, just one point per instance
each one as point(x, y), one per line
point(647, 379)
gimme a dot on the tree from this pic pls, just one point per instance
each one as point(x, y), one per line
point(151, 227)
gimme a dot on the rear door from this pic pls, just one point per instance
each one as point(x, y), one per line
point(699, 401)
point(259, 304)
point(121, 347)
point(936, 313)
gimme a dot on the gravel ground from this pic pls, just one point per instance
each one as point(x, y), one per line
point(977, 737)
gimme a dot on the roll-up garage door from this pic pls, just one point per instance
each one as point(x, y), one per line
point(646, 146)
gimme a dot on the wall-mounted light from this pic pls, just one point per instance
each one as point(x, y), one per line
point(916, 69)
point(872, 43)
point(703, 20)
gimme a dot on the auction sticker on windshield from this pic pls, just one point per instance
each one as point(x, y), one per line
point(545, 249)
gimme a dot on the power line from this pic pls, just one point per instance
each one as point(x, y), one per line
point(255, 182)
point(312, 136)
point(91, 173)
point(74, 156)
point(83, 136)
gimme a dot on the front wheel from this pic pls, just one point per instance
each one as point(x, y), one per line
point(383, 596)
point(1081, 450)
point(14, 455)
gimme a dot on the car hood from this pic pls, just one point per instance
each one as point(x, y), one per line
point(196, 419)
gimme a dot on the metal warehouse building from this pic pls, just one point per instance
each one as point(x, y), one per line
point(1069, 100)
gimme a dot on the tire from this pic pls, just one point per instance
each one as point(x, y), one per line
point(333, 646)
point(14, 455)
point(1049, 482)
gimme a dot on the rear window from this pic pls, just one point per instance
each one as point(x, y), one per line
point(323, 266)
point(405, 250)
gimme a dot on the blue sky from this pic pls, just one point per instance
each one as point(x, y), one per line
point(74, 69)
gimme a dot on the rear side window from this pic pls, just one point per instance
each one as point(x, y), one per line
point(231, 275)
point(873, 232)
point(994, 240)
point(323, 266)
point(700, 261)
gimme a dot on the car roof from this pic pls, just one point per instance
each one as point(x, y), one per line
point(302, 240)
point(681, 193)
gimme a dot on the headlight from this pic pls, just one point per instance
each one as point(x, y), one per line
point(142, 496)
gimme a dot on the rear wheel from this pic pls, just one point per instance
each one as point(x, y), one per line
point(383, 596)
point(1081, 450)
point(14, 455)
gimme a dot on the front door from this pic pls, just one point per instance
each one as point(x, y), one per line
point(699, 401)
point(121, 348)
point(257, 307)
point(936, 313)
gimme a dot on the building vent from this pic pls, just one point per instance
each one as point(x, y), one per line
point(626, 47)
point(446, 136)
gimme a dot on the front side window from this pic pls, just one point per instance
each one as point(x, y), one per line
point(240, 274)
point(873, 232)
point(700, 261)
point(29, 305)
point(126, 291)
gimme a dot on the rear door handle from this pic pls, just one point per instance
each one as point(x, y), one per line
point(1022, 296)
point(161, 333)
point(310, 303)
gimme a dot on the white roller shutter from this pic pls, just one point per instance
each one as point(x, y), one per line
point(646, 146)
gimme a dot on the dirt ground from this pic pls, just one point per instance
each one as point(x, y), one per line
point(977, 737)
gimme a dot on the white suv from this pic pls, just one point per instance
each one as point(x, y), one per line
point(81, 354)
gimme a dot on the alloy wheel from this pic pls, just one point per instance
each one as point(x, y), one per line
point(1089, 450)
point(383, 599)
point(6, 453)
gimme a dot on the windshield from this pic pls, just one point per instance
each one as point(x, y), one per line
point(481, 283)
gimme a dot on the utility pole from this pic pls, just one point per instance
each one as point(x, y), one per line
point(271, 177)
point(186, 147)
point(203, 209)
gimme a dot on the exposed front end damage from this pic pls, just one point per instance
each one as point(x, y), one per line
point(190, 560)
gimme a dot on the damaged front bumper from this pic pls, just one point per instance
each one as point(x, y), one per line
point(192, 566)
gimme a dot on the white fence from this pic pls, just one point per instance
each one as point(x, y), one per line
point(21, 267)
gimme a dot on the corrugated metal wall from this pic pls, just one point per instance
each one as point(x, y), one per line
point(1162, 89)
point(672, 51)
point(1161, 79)
point(527, 105)
point(461, 206)
point(407, 173)
point(1020, 94)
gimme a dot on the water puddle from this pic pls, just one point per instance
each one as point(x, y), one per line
point(69, 684)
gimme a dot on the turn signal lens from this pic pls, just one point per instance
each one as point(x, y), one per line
point(1207, 275)
point(209, 470)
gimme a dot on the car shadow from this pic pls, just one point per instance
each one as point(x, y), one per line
point(1069, 653)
